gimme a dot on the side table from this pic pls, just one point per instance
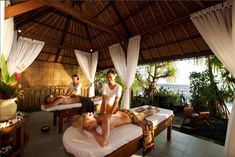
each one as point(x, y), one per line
point(16, 137)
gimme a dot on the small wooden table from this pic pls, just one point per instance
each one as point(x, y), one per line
point(16, 137)
point(60, 114)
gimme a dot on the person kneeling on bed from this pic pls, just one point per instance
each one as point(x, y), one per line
point(89, 122)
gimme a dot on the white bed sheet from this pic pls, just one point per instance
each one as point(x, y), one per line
point(86, 146)
point(67, 106)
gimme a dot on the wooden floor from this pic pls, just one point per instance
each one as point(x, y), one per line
point(50, 144)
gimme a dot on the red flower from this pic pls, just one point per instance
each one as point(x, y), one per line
point(17, 75)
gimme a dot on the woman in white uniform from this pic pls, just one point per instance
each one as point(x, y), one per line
point(111, 92)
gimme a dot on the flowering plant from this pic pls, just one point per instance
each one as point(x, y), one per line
point(9, 85)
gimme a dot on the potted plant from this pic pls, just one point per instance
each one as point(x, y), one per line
point(10, 90)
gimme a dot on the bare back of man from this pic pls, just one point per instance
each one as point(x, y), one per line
point(54, 101)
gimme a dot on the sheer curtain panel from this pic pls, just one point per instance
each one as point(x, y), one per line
point(217, 26)
point(7, 31)
point(24, 51)
point(88, 63)
point(126, 67)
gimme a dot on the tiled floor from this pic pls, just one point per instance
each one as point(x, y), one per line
point(50, 144)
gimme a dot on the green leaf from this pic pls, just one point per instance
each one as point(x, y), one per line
point(12, 79)
point(5, 75)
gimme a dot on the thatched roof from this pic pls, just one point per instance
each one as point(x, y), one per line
point(165, 28)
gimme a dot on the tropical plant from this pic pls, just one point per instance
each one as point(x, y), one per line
point(9, 85)
point(212, 88)
point(151, 73)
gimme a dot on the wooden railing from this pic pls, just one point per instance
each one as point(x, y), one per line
point(33, 98)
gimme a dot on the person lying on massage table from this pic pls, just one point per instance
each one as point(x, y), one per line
point(51, 101)
point(90, 122)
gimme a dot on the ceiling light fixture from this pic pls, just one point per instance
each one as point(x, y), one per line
point(19, 31)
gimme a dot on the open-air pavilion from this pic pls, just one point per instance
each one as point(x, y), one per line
point(70, 36)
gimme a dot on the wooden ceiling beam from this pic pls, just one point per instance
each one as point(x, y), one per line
point(86, 19)
point(183, 6)
point(88, 33)
point(65, 30)
point(43, 11)
point(165, 43)
point(49, 43)
point(177, 44)
point(171, 10)
point(21, 8)
point(80, 16)
point(120, 19)
point(187, 34)
point(177, 57)
point(161, 12)
point(104, 8)
point(199, 3)
point(58, 29)
point(174, 42)
point(166, 25)
point(162, 59)
point(168, 43)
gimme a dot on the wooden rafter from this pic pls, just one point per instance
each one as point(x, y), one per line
point(183, 6)
point(58, 29)
point(177, 44)
point(132, 21)
point(86, 19)
point(121, 20)
point(21, 8)
point(151, 38)
point(79, 15)
point(131, 14)
point(147, 50)
point(155, 29)
point(161, 12)
point(167, 58)
point(65, 30)
point(49, 43)
point(199, 3)
point(100, 12)
point(164, 41)
point(173, 42)
point(162, 59)
point(187, 34)
point(38, 14)
point(171, 10)
point(88, 33)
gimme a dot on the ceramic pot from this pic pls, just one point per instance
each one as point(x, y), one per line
point(8, 109)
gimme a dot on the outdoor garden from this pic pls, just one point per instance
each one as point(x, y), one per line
point(210, 92)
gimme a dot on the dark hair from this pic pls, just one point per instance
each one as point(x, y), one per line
point(45, 100)
point(110, 71)
point(75, 75)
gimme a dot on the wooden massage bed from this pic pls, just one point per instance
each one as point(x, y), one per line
point(124, 140)
point(65, 111)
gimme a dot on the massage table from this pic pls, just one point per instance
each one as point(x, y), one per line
point(124, 140)
point(66, 110)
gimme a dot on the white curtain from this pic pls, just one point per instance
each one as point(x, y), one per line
point(217, 27)
point(7, 31)
point(126, 67)
point(24, 51)
point(88, 63)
